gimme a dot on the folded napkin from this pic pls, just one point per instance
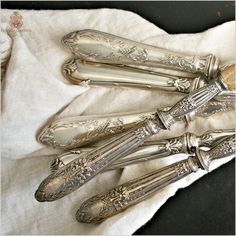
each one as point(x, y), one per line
point(34, 90)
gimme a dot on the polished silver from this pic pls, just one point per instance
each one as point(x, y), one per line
point(72, 176)
point(190, 103)
point(106, 59)
point(105, 205)
point(90, 73)
point(152, 149)
point(77, 131)
point(101, 47)
point(84, 73)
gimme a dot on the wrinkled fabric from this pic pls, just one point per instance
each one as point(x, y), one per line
point(34, 91)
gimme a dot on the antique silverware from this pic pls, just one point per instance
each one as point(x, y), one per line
point(82, 72)
point(152, 149)
point(77, 131)
point(101, 47)
point(106, 59)
point(104, 205)
point(76, 173)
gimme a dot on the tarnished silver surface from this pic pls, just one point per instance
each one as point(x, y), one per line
point(101, 47)
point(152, 149)
point(77, 131)
point(81, 170)
point(76, 173)
point(104, 205)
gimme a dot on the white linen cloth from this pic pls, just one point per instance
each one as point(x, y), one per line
point(34, 90)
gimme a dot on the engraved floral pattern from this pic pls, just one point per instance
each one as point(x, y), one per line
point(225, 148)
point(181, 84)
point(192, 64)
point(95, 130)
point(69, 67)
point(174, 145)
point(182, 168)
point(179, 62)
point(121, 49)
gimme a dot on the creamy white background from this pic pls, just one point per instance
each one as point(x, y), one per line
point(34, 90)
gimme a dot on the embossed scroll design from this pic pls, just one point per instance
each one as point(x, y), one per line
point(206, 139)
point(225, 148)
point(94, 130)
point(185, 167)
point(69, 67)
point(106, 204)
point(210, 137)
point(121, 49)
point(192, 64)
point(180, 62)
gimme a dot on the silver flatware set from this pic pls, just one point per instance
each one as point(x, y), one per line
point(91, 145)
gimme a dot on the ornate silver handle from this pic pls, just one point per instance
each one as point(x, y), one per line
point(104, 205)
point(84, 73)
point(96, 46)
point(73, 132)
point(190, 103)
point(152, 149)
point(75, 174)
point(79, 72)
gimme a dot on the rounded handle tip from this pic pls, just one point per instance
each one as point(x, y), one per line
point(51, 189)
point(94, 210)
point(40, 196)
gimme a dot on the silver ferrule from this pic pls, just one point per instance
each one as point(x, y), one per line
point(213, 137)
point(105, 205)
point(101, 47)
point(223, 149)
point(190, 103)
